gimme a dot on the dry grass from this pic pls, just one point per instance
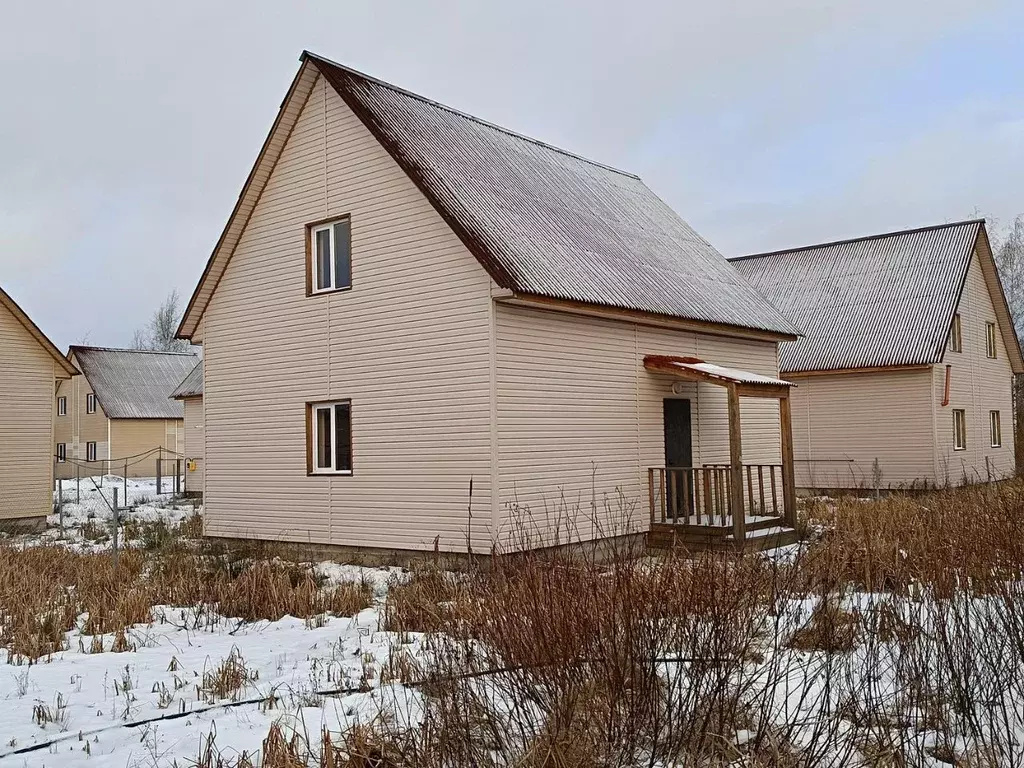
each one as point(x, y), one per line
point(46, 591)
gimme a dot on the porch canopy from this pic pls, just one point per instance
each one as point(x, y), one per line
point(739, 383)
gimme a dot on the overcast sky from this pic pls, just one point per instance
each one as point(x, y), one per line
point(128, 128)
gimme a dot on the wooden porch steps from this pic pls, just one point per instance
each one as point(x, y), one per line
point(761, 535)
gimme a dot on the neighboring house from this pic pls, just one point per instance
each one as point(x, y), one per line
point(904, 373)
point(421, 330)
point(190, 393)
point(119, 414)
point(30, 367)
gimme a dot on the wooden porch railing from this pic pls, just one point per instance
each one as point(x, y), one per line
point(704, 495)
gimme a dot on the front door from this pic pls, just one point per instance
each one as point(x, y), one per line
point(678, 453)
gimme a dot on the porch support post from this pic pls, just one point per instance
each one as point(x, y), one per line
point(739, 523)
point(788, 480)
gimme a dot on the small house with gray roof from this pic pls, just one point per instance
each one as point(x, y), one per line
point(904, 372)
point(422, 330)
point(119, 413)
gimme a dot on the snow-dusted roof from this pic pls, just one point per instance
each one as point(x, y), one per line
point(542, 221)
point(879, 301)
point(695, 368)
point(134, 384)
point(192, 385)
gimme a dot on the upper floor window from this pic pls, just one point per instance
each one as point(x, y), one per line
point(330, 262)
point(990, 340)
point(956, 340)
point(330, 438)
point(90, 403)
point(62, 406)
point(959, 430)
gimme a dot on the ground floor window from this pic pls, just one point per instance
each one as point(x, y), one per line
point(959, 429)
point(329, 438)
point(995, 429)
point(62, 452)
point(90, 451)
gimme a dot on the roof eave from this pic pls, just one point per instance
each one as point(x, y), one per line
point(522, 298)
point(22, 317)
point(247, 198)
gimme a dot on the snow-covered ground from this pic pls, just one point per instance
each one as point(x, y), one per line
point(150, 706)
point(87, 510)
point(153, 706)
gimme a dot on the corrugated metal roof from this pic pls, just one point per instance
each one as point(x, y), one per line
point(134, 384)
point(192, 385)
point(709, 371)
point(547, 222)
point(879, 301)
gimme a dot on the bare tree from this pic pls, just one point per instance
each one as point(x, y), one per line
point(158, 334)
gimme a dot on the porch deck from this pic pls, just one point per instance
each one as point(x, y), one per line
point(693, 507)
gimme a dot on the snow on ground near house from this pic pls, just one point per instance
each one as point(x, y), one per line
point(150, 706)
point(100, 702)
point(92, 501)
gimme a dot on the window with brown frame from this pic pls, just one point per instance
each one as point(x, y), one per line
point(329, 438)
point(990, 340)
point(956, 339)
point(995, 429)
point(959, 429)
point(329, 246)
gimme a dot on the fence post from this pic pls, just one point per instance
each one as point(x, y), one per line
point(177, 477)
point(116, 524)
point(78, 483)
point(126, 481)
point(158, 468)
point(60, 502)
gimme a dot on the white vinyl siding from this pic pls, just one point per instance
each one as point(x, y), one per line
point(27, 406)
point(580, 420)
point(979, 384)
point(412, 358)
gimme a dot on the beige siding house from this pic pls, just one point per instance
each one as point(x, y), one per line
point(118, 415)
point(905, 371)
point(190, 393)
point(30, 368)
point(471, 339)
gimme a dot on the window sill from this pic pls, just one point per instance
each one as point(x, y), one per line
point(330, 473)
point(328, 291)
point(960, 449)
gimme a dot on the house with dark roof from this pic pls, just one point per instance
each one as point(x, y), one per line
point(30, 369)
point(119, 414)
point(422, 330)
point(904, 372)
point(190, 393)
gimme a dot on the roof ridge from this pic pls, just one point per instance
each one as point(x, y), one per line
point(124, 349)
point(466, 115)
point(862, 238)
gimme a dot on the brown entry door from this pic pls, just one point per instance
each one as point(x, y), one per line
point(678, 453)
